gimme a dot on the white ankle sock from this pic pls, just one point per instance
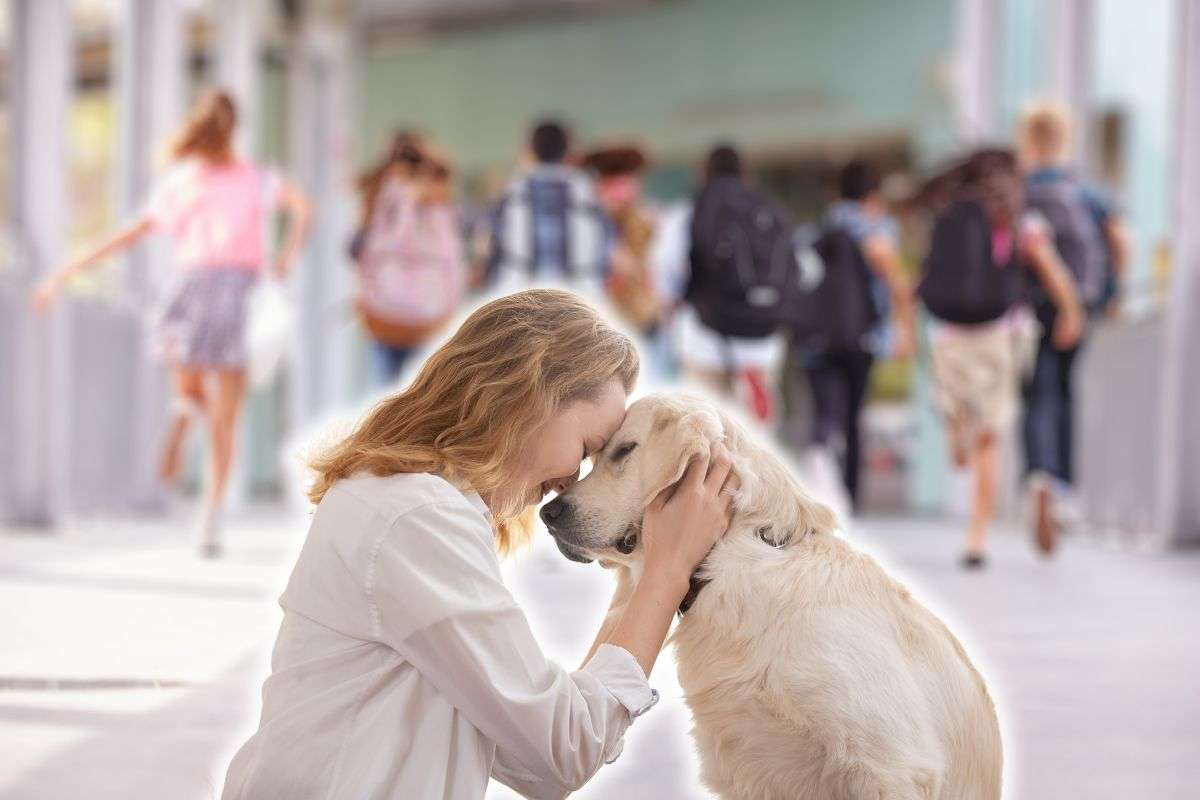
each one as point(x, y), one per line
point(208, 525)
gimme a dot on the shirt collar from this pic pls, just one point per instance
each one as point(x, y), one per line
point(1051, 173)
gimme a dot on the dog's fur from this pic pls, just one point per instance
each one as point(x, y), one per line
point(810, 673)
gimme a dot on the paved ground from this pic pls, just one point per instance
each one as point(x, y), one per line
point(129, 669)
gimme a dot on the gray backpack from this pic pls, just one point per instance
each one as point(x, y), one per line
point(1077, 237)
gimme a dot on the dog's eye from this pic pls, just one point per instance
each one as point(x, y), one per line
point(623, 451)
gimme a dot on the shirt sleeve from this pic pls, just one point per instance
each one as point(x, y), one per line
point(1099, 205)
point(162, 205)
point(436, 597)
point(1033, 231)
point(272, 188)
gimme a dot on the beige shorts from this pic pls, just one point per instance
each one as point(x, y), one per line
point(976, 371)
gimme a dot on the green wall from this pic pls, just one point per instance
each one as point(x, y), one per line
point(772, 74)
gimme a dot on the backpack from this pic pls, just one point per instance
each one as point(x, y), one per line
point(962, 283)
point(550, 219)
point(412, 274)
point(743, 261)
point(832, 307)
point(630, 282)
point(1076, 236)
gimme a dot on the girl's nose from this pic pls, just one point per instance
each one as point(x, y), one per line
point(562, 484)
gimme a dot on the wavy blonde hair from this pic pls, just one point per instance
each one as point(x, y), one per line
point(1044, 129)
point(472, 410)
point(208, 131)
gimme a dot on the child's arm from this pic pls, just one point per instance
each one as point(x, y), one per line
point(119, 242)
point(296, 207)
point(884, 261)
point(1056, 279)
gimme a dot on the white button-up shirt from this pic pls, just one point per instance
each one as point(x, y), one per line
point(405, 669)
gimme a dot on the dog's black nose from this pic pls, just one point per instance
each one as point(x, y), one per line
point(553, 510)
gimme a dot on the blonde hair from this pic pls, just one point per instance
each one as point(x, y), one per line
point(1044, 130)
point(208, 131)
point(472, 409)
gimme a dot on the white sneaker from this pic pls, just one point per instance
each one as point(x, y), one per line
point(1041, 505)
point(208, 532)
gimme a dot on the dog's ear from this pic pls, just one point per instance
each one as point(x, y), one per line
point(818, 517)
point(676, 437)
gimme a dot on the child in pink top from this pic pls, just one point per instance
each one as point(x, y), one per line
point(214, 208)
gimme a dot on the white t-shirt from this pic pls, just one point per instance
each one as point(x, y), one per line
point(405, 669)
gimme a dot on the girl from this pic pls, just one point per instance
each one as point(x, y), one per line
point(409, 251)
point(976, 367)
point(403, 665)
point(214, 206)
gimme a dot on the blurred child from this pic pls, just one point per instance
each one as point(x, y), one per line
point(982, 248)
point(630, 282)
point(548, 226)
point(409, 251)
point(214, 205)
point(1092, 241)
point(840, 372)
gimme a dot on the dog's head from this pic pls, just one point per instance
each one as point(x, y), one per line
point(601, 516)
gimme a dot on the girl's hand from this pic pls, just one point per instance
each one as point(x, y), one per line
point(683, 523)
point(1068, 327)
point(46, 293)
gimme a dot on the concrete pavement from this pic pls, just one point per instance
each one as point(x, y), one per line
point(131, 669)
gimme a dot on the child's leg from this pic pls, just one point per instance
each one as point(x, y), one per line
point(986, 465)
point(188, 403)
point(226, 405)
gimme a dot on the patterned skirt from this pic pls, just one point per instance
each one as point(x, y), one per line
point(202, 322)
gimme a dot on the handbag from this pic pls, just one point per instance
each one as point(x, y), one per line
point(270, 330)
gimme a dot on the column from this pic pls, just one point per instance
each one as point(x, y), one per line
point(150, 93)
point(33, 398)
point(320, 158)
point(980, 42)
point(236, 42)
point(1178, 517)
point(1069, 65)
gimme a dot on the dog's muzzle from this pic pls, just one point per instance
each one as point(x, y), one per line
point(557, 515)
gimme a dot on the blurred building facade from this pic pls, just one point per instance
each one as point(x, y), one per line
point(92, 88)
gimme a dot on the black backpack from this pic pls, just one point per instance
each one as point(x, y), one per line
point(1077, 237)
point(832, 306)
point(743, 262)
point(962, 283)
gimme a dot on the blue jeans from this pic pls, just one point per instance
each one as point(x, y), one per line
point(389, 361)
point(1049, 412)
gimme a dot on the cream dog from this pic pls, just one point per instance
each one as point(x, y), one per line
point(809, 672)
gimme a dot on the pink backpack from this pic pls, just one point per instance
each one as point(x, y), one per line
point(412, 267)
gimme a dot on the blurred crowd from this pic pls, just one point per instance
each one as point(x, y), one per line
point(1016, 255)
